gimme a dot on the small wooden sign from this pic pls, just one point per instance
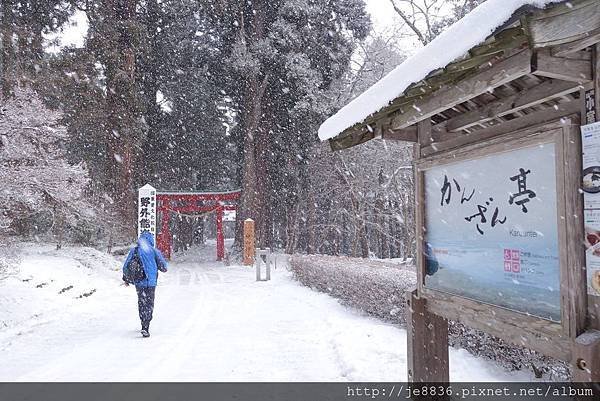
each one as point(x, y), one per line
point(249, 240)
point(589, 102)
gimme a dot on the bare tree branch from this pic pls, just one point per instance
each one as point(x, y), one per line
point(410, 23)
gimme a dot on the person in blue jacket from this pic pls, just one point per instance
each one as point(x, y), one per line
point(431, 263)
point(152, 261)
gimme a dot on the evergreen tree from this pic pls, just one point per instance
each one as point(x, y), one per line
point(282, 55)
point(194, 148)
point(22, 26)
point(40, 190)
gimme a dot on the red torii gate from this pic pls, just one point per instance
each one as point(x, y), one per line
point(188, 202)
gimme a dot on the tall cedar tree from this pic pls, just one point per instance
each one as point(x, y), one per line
point(282, 55)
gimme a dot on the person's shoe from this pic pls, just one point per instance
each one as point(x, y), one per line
point(145, 333)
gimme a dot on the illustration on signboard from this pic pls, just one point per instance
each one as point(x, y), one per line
point(492, 227)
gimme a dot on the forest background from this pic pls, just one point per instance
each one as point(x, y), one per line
point(205, 95)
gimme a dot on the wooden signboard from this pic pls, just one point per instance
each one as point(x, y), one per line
point(501, 237)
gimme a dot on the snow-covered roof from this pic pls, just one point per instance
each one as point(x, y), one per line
point(201, 193)
point(452, 44)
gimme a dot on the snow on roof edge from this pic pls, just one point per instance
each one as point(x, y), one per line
point(437, 54)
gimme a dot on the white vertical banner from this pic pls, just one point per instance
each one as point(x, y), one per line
point(147, 210)
point(229, 215)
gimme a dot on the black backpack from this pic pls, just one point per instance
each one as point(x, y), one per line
point(135, 270)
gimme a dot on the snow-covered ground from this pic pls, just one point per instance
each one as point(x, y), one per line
point(211, 323)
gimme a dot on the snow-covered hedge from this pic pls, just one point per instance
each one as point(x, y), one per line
point(378, 288)
point(375, 287)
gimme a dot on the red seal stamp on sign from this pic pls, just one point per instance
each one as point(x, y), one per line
point(512, 260)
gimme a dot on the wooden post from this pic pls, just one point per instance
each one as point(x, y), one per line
point(596, 78)
point(585, 361)
point(257, 262)
point(220, 235)
point(586, 357)
point(268, 261)
point(427, 336)
point(163, 241)
point(263, 256)
point(249, 242)
point(593, 300)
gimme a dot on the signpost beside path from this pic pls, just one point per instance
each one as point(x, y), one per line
point(147, 209)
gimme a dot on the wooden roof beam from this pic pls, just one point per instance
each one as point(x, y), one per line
point(503, 72)
point(570, 26)
point(572, 47)
point(445, 141)
point(567, 69)
point(408, 134)
point(356, 137)
point(531, 97)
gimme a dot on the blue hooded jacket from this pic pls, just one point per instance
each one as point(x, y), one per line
point(152, 260)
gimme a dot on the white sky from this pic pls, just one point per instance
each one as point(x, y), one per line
point(387, 23)
point(72, 34)
point(382, 14)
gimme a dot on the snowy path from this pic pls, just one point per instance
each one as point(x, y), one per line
point(214, 323)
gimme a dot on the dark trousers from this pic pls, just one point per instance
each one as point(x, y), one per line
point(145, 304)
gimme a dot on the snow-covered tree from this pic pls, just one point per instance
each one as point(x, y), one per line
point(358, 201)
point(40, 192)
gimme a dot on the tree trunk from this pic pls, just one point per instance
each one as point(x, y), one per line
point(364, 241)
point(393, 224)
point(150, 87)
point(311, 222)
point(7, 54)
point(385, 244)
point(293, 228)
point(120, 104)
point(255, 177)
point(249, 202)
point(264, 232)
